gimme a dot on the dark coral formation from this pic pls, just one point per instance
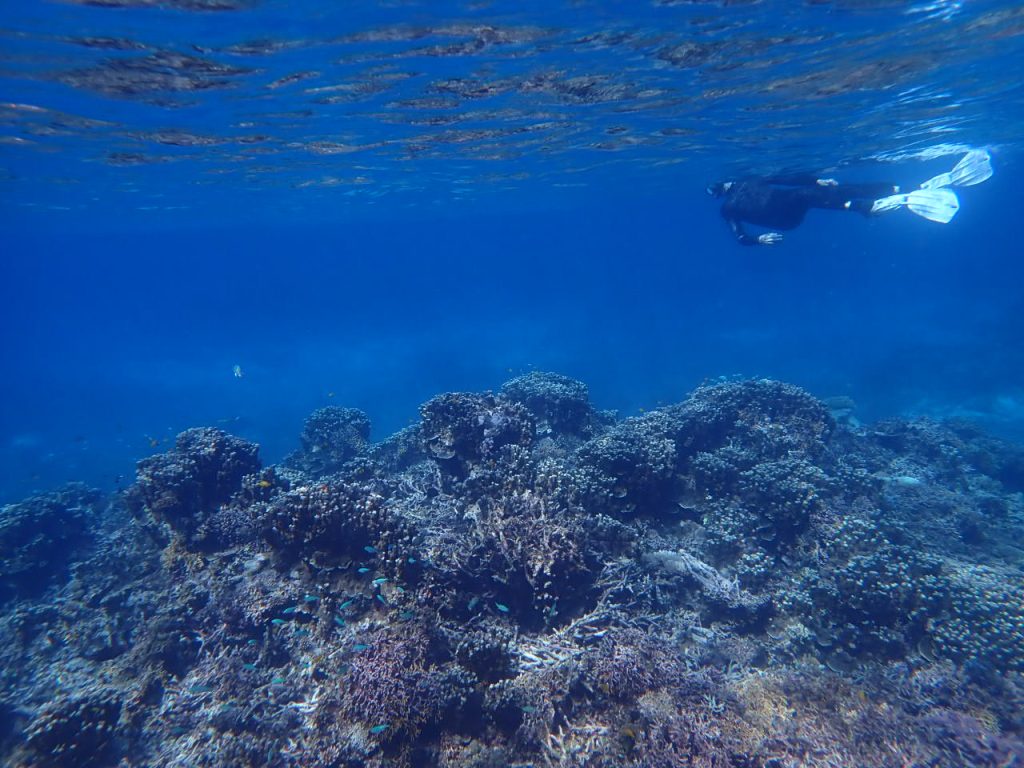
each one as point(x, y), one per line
point(340, 519)
point(75, 731)
point(39, 536)
point(188, 487)
point(466, 429)
point(331, 437)
point(735, 580)
point(559, 404)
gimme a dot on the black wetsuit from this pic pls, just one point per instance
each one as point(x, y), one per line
point(782, 202)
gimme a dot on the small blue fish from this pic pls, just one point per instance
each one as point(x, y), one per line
point(301, 632)
point(277, 681)
point(411, 560)
point(528, 709)
point(380, 728)
point(406, 615)
point(250, 667)
point(345, 605)
point(252, 642)
point(501, 607)
point(201, 688)
point(473, 603)
point(310, 598)
point(278, 622)
point(370, 550)
point(381, 598)
point(359, 647)
point(339, 621)
point(380, 580)
point(293, 609)
point(363, 570)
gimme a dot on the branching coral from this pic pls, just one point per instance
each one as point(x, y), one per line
point(729, 582)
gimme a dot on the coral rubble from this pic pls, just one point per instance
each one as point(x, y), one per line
point(520, 580)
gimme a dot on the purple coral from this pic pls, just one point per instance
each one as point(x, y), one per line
point(401, 681)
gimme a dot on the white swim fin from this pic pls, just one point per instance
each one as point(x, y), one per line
point(973, 168)
point(939, 205)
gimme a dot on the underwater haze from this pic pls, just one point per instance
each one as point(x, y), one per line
point(370, 203)
point(307, 226)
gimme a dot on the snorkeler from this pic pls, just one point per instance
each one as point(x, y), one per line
point(782, 202)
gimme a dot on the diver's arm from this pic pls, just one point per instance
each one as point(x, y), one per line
point(768, 238)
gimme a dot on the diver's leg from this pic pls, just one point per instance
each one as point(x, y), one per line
point(849, 197)
point(866, 191)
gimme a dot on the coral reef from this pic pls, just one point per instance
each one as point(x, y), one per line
point(738, 579)
point(559, 404)
point(38, 537)
point(330, 437)
point(188, 486)
point(74, 731)
point(464, 429)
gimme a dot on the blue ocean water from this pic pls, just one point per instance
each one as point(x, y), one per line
point(366, 204)
point(664, 499)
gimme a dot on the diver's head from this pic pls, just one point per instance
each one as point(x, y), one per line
point(718, 189)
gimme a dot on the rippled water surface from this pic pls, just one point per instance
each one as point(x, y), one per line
point(167, 100)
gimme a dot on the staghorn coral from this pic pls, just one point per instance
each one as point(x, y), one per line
point(400, 681)
point(724, 596)
point(963, 737)
point(536, 551)
point(627, 663)
point(682, 738)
